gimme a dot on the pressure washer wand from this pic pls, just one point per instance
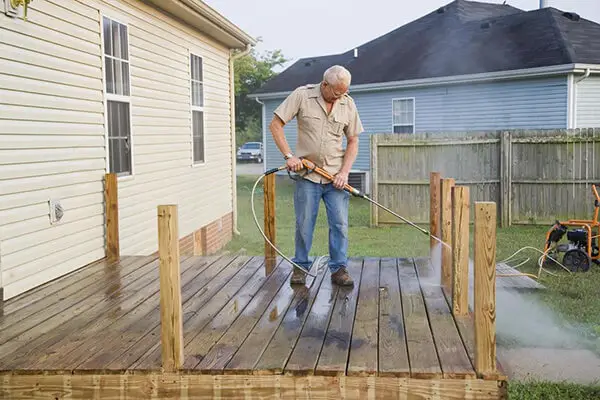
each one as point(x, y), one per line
point(309, 165)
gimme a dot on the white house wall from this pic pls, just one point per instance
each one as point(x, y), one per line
point(53, 137)
point(588, 102)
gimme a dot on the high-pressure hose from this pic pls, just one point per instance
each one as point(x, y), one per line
point(272, 171)
point(311, 167)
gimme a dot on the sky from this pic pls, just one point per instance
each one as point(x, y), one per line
point(308, 28)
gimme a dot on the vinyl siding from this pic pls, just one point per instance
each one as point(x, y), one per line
point(535, 104)
point(53, 140)
point(588, 103)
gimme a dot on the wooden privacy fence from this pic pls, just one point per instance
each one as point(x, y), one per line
point(535, 177)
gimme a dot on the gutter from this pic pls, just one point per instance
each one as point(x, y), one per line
point(232, 58)
point(458, 79)
point(216, 18)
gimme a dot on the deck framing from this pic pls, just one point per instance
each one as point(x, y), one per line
point(169, 386)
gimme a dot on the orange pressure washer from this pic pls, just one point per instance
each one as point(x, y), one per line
point(582, 248)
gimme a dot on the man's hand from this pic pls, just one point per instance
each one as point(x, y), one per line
point(340, 180)
point(294, 164)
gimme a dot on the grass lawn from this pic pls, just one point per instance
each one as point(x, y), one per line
point(575, 297)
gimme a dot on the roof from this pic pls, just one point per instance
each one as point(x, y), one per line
point(202, 17)
point(461, 38)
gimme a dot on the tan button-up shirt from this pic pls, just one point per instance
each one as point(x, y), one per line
point(320, 135)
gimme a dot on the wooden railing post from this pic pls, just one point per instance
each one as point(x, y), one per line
point(485, 287)
point(434, 210)
point(111, 203)
point(505, 178)
point(460, 250)
point(269, 228)
point(446, 200)
point(171, 328)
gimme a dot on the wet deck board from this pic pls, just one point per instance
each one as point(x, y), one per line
point(513, 279)
point(240, 321)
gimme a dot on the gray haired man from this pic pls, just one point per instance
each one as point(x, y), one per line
point(325, 114)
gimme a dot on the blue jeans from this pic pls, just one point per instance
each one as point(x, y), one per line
point(307, 197)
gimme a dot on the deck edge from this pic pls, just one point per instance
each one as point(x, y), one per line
point(194, 385)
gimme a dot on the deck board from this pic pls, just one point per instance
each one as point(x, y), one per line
point(393, 360)
point(209, 286)
point(334, 354)
point(363, 358)
point(454, 360)
point(514, 282)
point(207, 326)
point(32, 332)
point(305, 354)
point(255, 343)
point(423, 358)
point(57, 345)
point(239, 321)
point(277, 353)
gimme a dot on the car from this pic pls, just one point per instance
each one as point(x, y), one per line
point(251, 151)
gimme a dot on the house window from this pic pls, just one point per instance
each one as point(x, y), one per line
point(404, 115)
point(118, 102)
point(197, 109)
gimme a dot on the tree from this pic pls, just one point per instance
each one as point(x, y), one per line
point(251, 72)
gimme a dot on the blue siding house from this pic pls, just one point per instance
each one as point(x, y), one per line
point(467, 66)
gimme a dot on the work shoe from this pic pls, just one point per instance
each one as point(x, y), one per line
point(298, 277)
point(342, 278)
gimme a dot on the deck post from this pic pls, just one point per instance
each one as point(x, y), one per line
point(434, 210)
point(171, 323)
point(269, 215)
point(485, 287)
point(111, 203)
point(446, 200)
point(200, 247)
point(460, 250)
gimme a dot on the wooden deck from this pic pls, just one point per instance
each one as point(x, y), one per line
point(97, 331)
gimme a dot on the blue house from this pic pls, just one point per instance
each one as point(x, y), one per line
point(466, 66)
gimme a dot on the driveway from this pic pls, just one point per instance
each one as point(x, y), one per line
point(249, 168)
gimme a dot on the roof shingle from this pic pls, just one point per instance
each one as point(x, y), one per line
point(463, 37)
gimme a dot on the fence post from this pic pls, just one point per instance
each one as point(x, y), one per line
point(446, 225)
point(505, 178)
point(374, 183)
point(171, 323)
point(434, 210)
point(269, 224)
point(485, 287)
point(111, 203)
point(460, 250)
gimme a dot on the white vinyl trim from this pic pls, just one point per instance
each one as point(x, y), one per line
point(114, 97)
point(414, 103)
point(197, 108)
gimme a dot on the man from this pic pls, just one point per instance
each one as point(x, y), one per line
point(325, 113)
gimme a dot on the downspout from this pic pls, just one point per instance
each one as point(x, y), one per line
point(588, 71)
point(575, 84)
point(232, 59)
